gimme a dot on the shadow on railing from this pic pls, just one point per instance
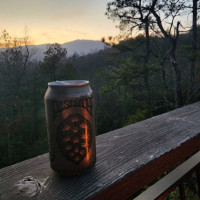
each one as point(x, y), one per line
point(128, 160)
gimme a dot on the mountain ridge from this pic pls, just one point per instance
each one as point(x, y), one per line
point(80, 47)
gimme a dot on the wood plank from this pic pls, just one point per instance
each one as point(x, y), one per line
point(127, 159)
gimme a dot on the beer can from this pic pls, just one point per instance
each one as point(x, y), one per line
point(69, 109)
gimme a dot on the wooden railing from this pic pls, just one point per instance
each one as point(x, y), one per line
point(175, 178)
point(128, 159)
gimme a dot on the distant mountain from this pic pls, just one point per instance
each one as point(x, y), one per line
point(81, 47)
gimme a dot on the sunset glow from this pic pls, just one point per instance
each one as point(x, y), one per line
point(61, 21)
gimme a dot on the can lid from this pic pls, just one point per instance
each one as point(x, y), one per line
point(69, 83)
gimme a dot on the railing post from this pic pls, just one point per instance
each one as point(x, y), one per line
point(198, 180)
point(182, 191)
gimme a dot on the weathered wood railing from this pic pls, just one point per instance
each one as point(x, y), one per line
point(127, 160)
point(174, 179)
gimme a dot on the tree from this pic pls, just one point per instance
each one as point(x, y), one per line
point(132, 15)
point(14, 60)
point(54, 57)
point(172, 10)
point(162, 18)
point(194, 8)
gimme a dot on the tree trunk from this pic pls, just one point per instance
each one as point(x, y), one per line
point(146, 58)
point(162, 63)
point(164, 77)
point(194, 48)
point(9, 148)
point(54, 72)
point(35, 107)
point(177, 79)
point(173, 41)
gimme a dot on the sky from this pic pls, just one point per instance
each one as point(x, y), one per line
point(61, 21)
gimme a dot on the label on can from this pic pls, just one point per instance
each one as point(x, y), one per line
point(74, 133)
point(60, 106)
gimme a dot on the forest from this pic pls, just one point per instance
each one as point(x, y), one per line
point(134, 78)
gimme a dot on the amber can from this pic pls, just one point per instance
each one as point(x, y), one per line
point(69, 109)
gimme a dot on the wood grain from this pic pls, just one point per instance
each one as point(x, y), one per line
point(127, 159)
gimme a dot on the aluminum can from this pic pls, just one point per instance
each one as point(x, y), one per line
point(69, 109)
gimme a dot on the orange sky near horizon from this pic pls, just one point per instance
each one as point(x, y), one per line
point(50, 21)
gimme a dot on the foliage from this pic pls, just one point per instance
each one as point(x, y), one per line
point(23, 84)
point(54, 59)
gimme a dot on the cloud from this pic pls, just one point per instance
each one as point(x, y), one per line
point(46, 35)
point(77, 32)
point(69, 15)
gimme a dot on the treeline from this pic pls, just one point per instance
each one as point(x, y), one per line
point(23, 85)
point(126, 93)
